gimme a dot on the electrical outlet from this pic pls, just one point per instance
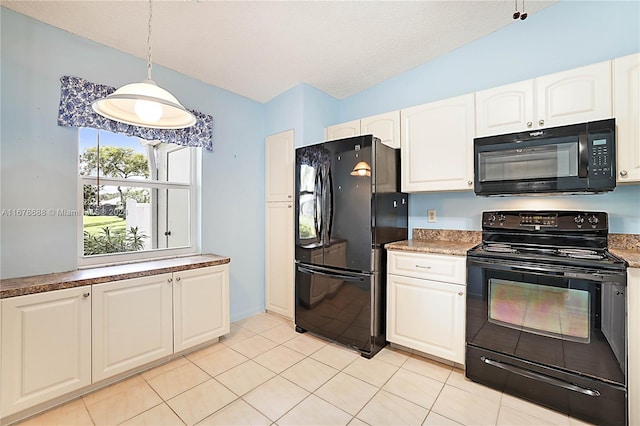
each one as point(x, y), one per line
point(431, 215)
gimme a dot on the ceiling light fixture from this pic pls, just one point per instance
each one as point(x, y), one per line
point(361, 169)
point(145, 104)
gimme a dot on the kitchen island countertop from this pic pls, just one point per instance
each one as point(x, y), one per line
point(42, 283)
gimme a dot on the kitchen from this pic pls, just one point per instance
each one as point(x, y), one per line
point(239, 148)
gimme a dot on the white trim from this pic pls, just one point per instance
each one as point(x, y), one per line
point(151, 254)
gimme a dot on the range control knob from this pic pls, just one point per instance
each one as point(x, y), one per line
point(579, 220)
point(594, 220)
point(492, 218)
point(502, 218)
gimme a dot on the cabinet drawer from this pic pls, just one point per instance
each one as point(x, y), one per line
point(437, 267)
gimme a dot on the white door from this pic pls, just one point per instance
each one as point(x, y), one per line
point(46, 347)
point(131, 324)
point(200, 305)
point(504, 109)
point(437, 145)
point(574, 96)
point(626, 105)
point(279, 167)
point(343, 130)
point(279, 261)
point(385, 126)
point(427, 316)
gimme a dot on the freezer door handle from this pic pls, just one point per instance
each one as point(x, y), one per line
point(344, 277)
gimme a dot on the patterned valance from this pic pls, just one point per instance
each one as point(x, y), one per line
point(77, 94)
point(315, 156)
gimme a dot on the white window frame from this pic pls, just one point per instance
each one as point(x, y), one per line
point(152, 254)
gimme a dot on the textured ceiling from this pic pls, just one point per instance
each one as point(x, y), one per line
point(260, 49)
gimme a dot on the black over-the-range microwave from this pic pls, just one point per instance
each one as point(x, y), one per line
point(577, 158)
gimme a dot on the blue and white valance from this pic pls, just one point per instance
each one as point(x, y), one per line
point(77, 94)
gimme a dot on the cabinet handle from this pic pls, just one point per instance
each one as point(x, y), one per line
point(623, 173)
point(86, 295)
point(469, 182)
point(423, 267)
point(529, 124)
point(460, 293)
point(169, 280)
point(289, 206)
point(541, 122)
point(178, 278)
point(289, 196)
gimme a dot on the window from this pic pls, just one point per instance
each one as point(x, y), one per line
point(138, 198)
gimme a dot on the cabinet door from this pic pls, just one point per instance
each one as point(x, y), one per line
point(427, 316)
point(626, 106)
point(279, 261)
point(131, 324)
point(201, 305)
point(574, 96)
point(437, 145)
point(46, 347)
point(633, 344)
point(279, 167)
point(343, 130)
point(385, 126)
point(504, 109)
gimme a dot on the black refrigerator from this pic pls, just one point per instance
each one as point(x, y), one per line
point(348, 205)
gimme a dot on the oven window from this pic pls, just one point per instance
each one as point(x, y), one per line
point(544, 161)
point(549, 311)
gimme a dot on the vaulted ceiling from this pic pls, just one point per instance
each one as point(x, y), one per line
point(259, 49)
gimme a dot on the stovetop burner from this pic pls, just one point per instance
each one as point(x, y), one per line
point(577, 239)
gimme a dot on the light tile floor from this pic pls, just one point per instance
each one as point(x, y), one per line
point(264, 373)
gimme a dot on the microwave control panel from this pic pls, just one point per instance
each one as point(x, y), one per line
point(600, 158)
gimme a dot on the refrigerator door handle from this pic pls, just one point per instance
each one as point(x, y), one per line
point(353, 278)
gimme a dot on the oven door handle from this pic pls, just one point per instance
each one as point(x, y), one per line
point(542, 377)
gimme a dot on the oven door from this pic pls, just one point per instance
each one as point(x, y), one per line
point(552, 334)
point(552, 315)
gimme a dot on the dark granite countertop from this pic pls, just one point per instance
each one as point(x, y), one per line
point(41, 283)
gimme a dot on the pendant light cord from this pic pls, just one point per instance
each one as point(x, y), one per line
point(149, 42)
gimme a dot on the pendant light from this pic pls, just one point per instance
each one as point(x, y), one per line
point(361, 169)
point(145, 104)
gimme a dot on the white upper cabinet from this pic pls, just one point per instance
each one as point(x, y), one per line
point(567, 97)
point(626, 108)
point(385, 126)
point(574, 96)
point(437, 145)
point(343, 130)
point(504, 109)
point(279, 167)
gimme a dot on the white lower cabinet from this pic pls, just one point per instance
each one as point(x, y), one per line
point(426, 303)
point(131, 324)
point(61, 341)
point(46, 347)
point(279, 258)
point(200, 306)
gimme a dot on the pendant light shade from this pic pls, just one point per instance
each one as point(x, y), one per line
point(361, 169)
point(145, 104)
